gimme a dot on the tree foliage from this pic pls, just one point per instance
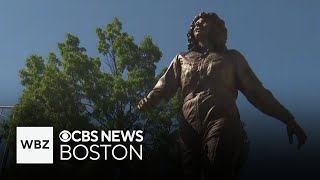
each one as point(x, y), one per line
point(75, 91)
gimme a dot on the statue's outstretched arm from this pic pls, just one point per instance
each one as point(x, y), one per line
point(165, 87)
point(252, 88)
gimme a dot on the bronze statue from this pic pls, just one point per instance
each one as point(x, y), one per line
point(210, 76)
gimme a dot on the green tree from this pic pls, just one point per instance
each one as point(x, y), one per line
point(73, 90)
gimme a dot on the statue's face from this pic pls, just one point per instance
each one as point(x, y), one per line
point(202, 29)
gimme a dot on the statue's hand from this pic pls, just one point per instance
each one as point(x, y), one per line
point(144, 105)
point(293, 128)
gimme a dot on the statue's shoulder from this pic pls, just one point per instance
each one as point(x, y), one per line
point(188, 56)
point(237, 58)
point(186, 53)
point(233, 53)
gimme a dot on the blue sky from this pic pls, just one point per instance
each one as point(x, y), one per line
point(280, 40)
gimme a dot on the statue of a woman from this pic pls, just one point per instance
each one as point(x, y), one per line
point(210, 76)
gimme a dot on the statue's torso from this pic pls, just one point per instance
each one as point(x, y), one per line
point(212, 74)
point(209, 88)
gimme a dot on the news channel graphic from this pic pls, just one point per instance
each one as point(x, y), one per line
point(35, 145)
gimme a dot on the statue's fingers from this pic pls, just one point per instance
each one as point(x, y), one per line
point(144, 105)
point(290, 134)
point(300, 143)
point(140, 104)
point(302, 140)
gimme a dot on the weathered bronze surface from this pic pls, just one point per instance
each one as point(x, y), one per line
point(210, 76)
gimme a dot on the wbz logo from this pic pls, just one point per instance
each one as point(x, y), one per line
point(34, 145)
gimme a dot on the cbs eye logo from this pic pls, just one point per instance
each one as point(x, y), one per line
point(65, 136)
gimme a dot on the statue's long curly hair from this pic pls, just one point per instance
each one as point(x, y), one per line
point(218, 34)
